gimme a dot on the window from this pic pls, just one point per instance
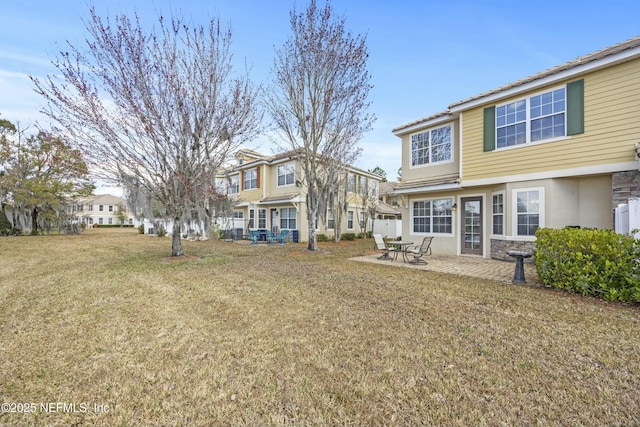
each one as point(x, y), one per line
point(351, 183)
point(90, 220)
point(537, 118)
point(238, 214)
point(90, 208)
point(350, 220)
point(80, 208)
point(110, 208)
point(110, 221)
point(511, 124)
point(498, 214)
point(330, 221)
point(286, 174)
point(528, 211)
point(361, 220)
point(547, 115)
point(130, 221)
point(262, 218)
point(100, 221)
point(363, 185)
point(432, 146)
point(252, 217)
point(251, 179)
point(101, 208)
point(234, 184)
point(288, 218)
point(432, 216)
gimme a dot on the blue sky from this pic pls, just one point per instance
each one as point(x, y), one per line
point(424, 55)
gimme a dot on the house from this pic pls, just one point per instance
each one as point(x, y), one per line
point(104, 209)
point(268, 195)
point(555, 149)
point(390, 202)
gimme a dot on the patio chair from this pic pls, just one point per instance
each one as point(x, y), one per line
point(282, 238)
point(382, 246)
point(254, 236)
point(418, 251)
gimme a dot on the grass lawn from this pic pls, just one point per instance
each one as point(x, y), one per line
point(103, 329)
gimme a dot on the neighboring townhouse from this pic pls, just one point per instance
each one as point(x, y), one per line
point(268, 195)
point(104, 209)
point(555, 149)
point(390, 202)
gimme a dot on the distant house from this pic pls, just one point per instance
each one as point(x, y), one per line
point(268, 195)
point(104, 209)
point(554, 149)
point(390, 204)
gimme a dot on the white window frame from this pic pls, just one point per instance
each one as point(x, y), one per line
point(351, 183)
point(331, 222)
point(350, 220)
point(234, 184)
point(288, 218)
point(514, 211)
point(527, 119)
point(250, 179)
point(432, 216)
point(262, 218)
point(431, 148)
point(286, 172)
point(502, 214)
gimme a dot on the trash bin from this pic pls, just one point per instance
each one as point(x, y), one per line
point(295, 236)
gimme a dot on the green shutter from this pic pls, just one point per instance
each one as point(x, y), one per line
point(575, 107)
point(489, 129)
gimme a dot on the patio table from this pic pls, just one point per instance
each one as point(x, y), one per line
point(401, 245)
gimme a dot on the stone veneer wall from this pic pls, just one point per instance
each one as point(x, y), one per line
point(499, 249)
point(625, 185)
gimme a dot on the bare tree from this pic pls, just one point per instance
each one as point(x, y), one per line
point(368, 204)
point(158, 111)
point(319, 101)
point(339, 201)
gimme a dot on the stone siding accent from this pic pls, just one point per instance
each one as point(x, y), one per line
point(625, 185)
point(499, 249)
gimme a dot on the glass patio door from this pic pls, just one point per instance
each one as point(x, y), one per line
point(471, 225)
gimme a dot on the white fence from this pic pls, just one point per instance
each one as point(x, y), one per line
point(627, 217)
point(388, 227)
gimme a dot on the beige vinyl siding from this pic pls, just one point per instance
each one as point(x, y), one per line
point(612, 126)
point(432, 170)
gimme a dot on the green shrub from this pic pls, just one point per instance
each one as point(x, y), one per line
point(322, 237)
point(592, 262)
point(348, 236)
point(141, 229)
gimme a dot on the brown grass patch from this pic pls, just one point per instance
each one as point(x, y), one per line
point(249, 335)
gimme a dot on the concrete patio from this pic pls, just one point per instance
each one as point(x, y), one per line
point(501, 271)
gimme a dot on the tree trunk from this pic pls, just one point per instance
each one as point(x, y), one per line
point(313, 240)
point(176, 239)
point(34, 221)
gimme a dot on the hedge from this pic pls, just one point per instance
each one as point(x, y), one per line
point(598, 263)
